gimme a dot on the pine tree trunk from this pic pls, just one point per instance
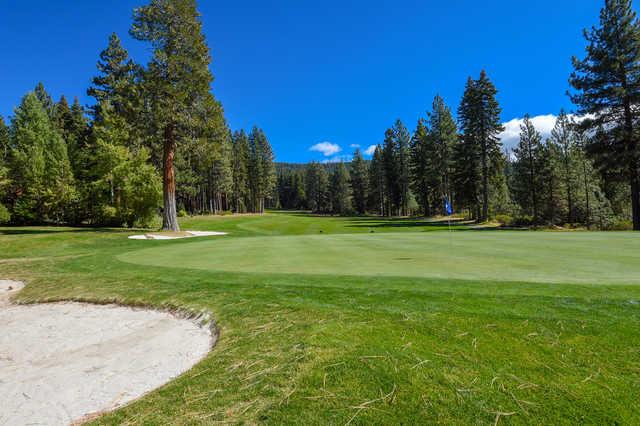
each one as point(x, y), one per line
point(552, 203)
point(427, 207)
point(586, 192)
point(634, 170)
point(485, 186)
point(632, 148)
point(635, 201)
point(570, 204)
point(567, 171)
point(169, 214)
point(532, 184)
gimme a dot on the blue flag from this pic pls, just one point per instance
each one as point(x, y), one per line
point(447, 207)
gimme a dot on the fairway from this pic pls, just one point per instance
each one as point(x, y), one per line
point(545, 257)
point(323, 321)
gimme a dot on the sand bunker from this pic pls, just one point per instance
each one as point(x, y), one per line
point(61, 362)
point(175, 235)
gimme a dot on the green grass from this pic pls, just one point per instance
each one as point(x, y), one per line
point(353, 326)
point(595, 258)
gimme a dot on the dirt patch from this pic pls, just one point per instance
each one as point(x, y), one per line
point(7, 289)
point(62, 362)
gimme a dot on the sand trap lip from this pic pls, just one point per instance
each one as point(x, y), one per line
point(185, 234)
point(60, 362)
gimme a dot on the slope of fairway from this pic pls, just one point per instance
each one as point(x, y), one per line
point(551, 257)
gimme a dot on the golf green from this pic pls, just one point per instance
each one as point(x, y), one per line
point(549, 257)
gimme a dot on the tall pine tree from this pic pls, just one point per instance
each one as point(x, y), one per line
point(45, 100)
point(396, 159)
point(403, 142)
point(563, 137)
point(479, 118)
point(240, 171)
point(262, 175)
point(74, 127)
point(5, 215)
point(377, 199)
point(607, 87)
point(176, 79)
point(391, 173)
point(443, 135)
point(527, 173)
point(359, 182)
point(552, 189)
point(422, 169)
point(4, 141)
point(467, 172)
point(340, 190)
point(221, 176)
point(317, 187)
point(116, 81)
point(42, 180)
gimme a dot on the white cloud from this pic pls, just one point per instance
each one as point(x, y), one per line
point(326, 148)
point(370, 150)
point(354, 145)
point(543, 124)
point(511, 135)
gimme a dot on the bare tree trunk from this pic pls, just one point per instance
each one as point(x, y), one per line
point(169, 214)
point(635, 201)
point(631, 147)
point(634, 169)
point(567, 171)
point(586, 191)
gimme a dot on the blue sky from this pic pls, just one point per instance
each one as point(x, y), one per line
point(332, 72)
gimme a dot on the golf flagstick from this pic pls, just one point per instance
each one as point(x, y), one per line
point(449, 210)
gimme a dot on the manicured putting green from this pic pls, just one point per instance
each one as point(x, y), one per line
point(550, 257)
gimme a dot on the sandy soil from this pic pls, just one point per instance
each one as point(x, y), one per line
point(168, 235)
point(61, 362)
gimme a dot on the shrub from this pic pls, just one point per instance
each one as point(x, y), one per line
point(24, 211)
point(620, 225)
point(504, 219)
point(108, 216)
point(182, 213)
point(524, 220)
point(154, 223)
point(5, 216)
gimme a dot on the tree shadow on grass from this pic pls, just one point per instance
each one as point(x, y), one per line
point(411, 224)
point(427, 224)
point(399, 222)
point(62, 230)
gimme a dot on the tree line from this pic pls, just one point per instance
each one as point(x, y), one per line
point(155, 139)
point(587, 172)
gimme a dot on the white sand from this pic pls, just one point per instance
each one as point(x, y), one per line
point(61, 362)
point(189, 234)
